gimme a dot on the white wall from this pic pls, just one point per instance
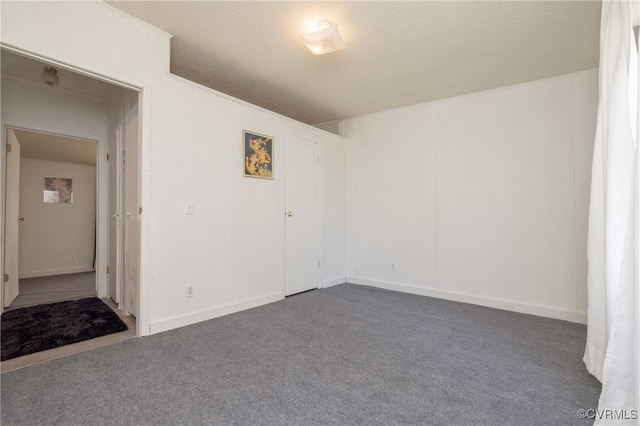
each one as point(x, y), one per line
point(232, 247)
point(481, 198)
point(38, 106)
point(191, 141)
point(56, 238)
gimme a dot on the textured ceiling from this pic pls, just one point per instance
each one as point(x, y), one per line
point(44, 146)
point(398, 53)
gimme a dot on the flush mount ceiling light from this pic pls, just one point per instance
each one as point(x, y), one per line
point(325, 40)
point(49, 76)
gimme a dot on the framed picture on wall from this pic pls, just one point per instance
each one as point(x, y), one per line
point(58, 190)
point(258, 155)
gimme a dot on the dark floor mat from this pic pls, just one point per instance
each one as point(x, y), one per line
point(38, 328)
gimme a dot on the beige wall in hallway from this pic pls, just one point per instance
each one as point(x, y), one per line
point(56, 238)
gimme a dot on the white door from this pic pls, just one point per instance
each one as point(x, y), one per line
point(132, 215)
point(114, 149)
point(12, 212)
point(302, 198)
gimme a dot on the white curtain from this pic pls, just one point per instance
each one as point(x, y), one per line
point(613, 329)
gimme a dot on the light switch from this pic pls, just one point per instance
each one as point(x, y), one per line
point(188, 208)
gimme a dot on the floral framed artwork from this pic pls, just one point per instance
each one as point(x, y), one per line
point(58, 190)
point(258, 155)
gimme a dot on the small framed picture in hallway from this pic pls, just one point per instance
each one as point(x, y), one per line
point(258, 155)
point(58, 190)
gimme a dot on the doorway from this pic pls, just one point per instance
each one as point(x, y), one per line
point(302, 229)
point(80, 106)
point(50, 220)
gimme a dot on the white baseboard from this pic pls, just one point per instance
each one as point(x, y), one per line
point(333, 281)
point(207, 314)
point(540, 311)
point(52, 272)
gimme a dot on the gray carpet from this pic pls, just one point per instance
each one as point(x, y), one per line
point(54, 288)
point(345, 355)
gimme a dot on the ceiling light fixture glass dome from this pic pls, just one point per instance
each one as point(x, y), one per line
point(326, 40)
point(49, 76)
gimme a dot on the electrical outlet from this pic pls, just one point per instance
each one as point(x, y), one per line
point(190, 291)
point(393, 267)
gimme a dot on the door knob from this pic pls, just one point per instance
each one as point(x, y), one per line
point(22, 219)
point(290, 214)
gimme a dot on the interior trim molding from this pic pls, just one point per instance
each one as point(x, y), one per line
point(334, 281)
point(211, 313)
point(541, 311)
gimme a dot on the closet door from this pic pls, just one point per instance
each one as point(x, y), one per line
point(302, 200)
point(131, 273)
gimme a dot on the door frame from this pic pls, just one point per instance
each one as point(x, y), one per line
point(287, 140)
point(101, 194)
